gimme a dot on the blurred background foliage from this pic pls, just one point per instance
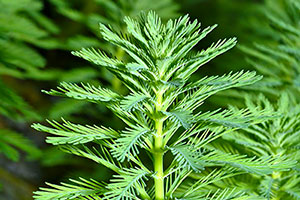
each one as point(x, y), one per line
point(36, 37)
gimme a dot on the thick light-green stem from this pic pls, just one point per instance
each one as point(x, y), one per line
point(158, 153)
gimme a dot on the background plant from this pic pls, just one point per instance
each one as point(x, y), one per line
point(19, 29)
point(163, 116)
point(22, 30)
point(278, 61)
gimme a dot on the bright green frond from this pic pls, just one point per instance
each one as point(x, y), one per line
point(225, 81)
point(129, 141)
point(196, 61)
point(262, 165)
point(85, 92)
point(101, 156)
point(225, 194)
point(99, 58)
point(198, 189)
point(187, 157)
point(81, 189)
point(198, 91)
point(69, 133)
point(234, 118)
point(125, 186)
point(133, 101)
point(182, 117)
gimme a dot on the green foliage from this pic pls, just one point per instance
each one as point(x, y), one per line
point(278, 137)
point(11, 142)
point(198, 189)
point(109, 12)
point(87, 92)
point(125, 185)
point(127, 144)
point(75, 134)
point(163, 115)
point(21, 27)
point(79, 24)
point(77, 190)
point(13, 106)
point(278, 60)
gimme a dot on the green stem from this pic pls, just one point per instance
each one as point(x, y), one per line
point(143, 193)
point(158, 154)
